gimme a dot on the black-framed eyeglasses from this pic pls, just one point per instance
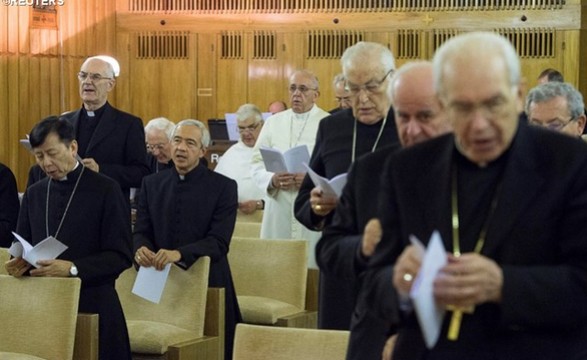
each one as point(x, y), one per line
point(370, 87)
point(250, 128)
point(555, 125)
point(82, 76)
point(302, 88)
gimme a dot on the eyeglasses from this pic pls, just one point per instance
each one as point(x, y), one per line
point(302, 88)
point(82, 76)
point(151, 148)
point(251, 128)
point(370, 87)
point(556, 124)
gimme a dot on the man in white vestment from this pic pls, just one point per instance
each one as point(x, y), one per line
point(287, 129)
point(236, 161)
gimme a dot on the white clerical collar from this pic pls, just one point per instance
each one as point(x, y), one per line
point(181, 177)
point(90, 113)
point(303, 116)
point(74, 167)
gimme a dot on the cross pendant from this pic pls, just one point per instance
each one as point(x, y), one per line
point(455, 321)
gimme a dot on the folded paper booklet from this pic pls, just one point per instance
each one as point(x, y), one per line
point(48, 249)
point(430, 315)
point(290, 161)
point(332, 187)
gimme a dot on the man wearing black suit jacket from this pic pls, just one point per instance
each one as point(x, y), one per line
point(509, 202)
point(110, 141)
point(340, 252)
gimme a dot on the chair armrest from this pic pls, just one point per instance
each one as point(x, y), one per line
point(214, 324)
point(305, 319)
point(86, 337)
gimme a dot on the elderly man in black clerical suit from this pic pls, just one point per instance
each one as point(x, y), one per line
point(343, 137)
point(418, 117)
point(189, 211)
point(509, 201)
point(9, 207)
point(87, 212)
point(110, 141)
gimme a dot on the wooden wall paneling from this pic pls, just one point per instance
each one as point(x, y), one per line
point(571, 55)
point(126, 55)
point(54, 74)
point(178, 81)
point(267, 81)
point(232, 72)
point(144, 86)
point(205, 96)
point(5, 145)
point(4, 29)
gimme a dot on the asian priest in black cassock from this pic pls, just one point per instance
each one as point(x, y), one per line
point(87, 212)
point(187, 212)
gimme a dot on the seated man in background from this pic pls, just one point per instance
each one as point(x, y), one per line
point(236, 161)
point(550, 75)
point(276, 106)
point(341, 93)
point(158, 140)
point(187, 212)
point(10, 205)
point(557, 106)
point(87, 212)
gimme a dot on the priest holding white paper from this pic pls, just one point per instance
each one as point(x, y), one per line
point(87, 212)
point(282, 131)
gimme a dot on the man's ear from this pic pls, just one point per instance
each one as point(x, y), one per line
point(581, 124)
point(111, 84)
point(203, 152)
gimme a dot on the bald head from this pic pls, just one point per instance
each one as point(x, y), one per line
point(418, 113)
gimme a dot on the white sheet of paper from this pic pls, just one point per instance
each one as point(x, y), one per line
point(332, 187)
point(290, 161)
point(48, 249)
point(429, 314)
point(150, 283)
point(232, 126)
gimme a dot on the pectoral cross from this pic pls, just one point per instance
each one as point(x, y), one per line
point(455, 321)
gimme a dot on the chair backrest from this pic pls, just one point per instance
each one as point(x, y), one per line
point(38, 316)
point(275, 269)
point(247, 229)
point(183, 303)
point(278, 343)
point(255, 217)
point(4, 257)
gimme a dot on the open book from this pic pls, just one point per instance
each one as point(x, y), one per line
point(291, 161)
point(48, 249)
point(332, 187)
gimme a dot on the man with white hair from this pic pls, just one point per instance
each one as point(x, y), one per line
point(235, 163)
point(158, 133)
point(509, 202)
point(110, 141)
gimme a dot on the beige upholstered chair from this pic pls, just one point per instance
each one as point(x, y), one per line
point(247, 229)
point(38, 317)
point(270, 278)
point(275, 343)
point(4, 257)
point(255, 217)
point(174, 328)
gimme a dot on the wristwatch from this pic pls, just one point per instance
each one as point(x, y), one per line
point(73, 270)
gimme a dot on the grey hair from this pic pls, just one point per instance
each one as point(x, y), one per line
point(161, 123)
point(247, 111)
point(476, 44)
point(106, 60)
point(338, 78)
point(550, 90)
point(412, 65)
point(308, 73)
point(198, 124)
point(366, 53)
